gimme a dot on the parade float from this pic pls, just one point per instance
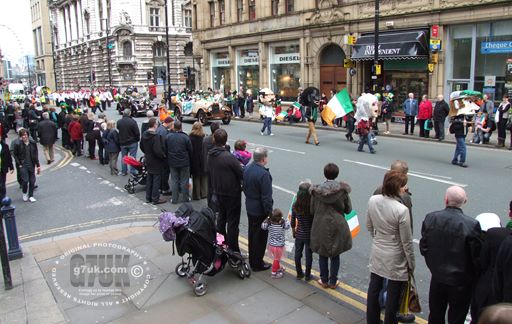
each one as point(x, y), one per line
point(202, 106)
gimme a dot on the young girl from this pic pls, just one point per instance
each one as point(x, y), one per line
point(276, 227)
point(301, 222)
point(241, 154)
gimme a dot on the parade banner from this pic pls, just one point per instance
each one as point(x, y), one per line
point(337, 107)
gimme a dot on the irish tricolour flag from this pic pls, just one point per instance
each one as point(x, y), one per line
point(353, 223)
point(337, 107)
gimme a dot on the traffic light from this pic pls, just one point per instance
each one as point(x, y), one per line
point(162, 74)
point(351, 40)
point(185, 73)
point(150, 75)
point(93, 76)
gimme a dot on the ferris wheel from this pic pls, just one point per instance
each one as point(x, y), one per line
point(9, 37)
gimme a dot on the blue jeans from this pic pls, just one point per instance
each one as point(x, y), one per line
point(267, 123)
point(329, 277)
point(179, 184)
point(365, 139)
point(128, 150)
point(460, 151)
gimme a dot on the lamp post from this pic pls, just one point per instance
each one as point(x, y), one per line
point(107, 47)
point(167, 97)
point(376, 47)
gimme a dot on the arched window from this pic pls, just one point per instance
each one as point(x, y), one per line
point(127, 50)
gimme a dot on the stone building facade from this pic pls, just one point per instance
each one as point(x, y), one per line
point(41, 32)
point(120, 43)
point(287, 44)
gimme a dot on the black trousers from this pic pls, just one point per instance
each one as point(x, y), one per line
point(394, 293)
point(228, 219)
point(164, 182)
point(502, 132)
point(455, 298)
point(3, 191)
point(28, 178)
point(439, 128)
point(152, 186)
point(257, 240)
point(241, 105)
point(409, 120)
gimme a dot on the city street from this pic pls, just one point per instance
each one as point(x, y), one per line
point(83, 195)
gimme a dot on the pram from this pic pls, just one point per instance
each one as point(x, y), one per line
point(207, 252)
point(139, 177)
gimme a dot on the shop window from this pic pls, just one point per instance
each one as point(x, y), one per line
point(221, 68)
point(127, 50)
point(252, 9)
point(461, 46)
point(289, 6)
point(285, 70)
point(248, 68)
point(222, 12)
point(274, 4)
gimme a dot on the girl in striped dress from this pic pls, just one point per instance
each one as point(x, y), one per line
point(276, 226)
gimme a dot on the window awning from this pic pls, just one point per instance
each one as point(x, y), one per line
point(403, 45)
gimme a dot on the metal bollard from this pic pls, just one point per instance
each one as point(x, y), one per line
point(11, 231)
point(6, 269)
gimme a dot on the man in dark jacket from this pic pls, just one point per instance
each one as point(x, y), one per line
point(450, 242)
point(47, 131)
point(258, 204)
point(129, 136)
point(26, 156)
point(457, 129)
point(441, 110)
point(33, 121)
point(502, 280)
point(179, 152)
point(226, 179)
point(163, 130)
point(207, 146)
point(5, 166)
point(155, 159)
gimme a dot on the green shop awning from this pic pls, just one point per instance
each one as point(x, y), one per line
point(404, 45)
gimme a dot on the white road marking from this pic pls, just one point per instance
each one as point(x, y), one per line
point(75, 164)
point(283, 190)
point(273, 147)
point(83, 168)
point(412, 174)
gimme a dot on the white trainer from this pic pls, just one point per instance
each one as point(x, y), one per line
point(25, 197)
point(271, 134)
point(32, 199)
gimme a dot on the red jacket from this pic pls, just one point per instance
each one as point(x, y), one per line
point(425, 110)
point(75, 131)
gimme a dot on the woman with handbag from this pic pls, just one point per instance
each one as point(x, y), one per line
point(424, 116)
point(392, 254)
point(501, 118)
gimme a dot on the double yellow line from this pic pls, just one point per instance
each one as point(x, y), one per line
point(68, 156)
point(332, 292)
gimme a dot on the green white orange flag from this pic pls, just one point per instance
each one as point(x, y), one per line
point(353, 223)
point(337, 107)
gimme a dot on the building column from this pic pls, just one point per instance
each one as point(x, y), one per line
point(233, 71)
point(263, 49)
point(304, 65)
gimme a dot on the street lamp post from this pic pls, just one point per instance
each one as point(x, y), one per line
point(376, 47)
point(167, 97)
point(107, 46)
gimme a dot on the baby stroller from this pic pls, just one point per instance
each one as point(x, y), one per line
point(207, 252)
point(135, 179)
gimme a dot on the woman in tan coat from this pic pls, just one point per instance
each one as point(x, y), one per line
point(392, 255)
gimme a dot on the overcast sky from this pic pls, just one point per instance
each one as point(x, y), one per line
point(16, 41)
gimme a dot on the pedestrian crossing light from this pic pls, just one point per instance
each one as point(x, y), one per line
point(185, 72)
point(378, 69)
point(162, 75)
point(351, 40)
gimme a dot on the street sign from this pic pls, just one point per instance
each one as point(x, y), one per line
point(434, 31)
point(111, 45)
point(435, 44)
point(430, 67)
point(348, 63)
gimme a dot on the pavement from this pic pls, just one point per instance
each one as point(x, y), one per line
point(43, 294)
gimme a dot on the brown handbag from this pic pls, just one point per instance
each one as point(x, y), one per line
point(414, 299)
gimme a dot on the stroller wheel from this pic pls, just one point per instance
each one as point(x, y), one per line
point(182, 269)
point(241, 271)
point(200, 288)
point(232, 263)
point(247, 269)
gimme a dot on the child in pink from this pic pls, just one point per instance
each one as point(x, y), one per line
point(241, 154)
point(276, 227)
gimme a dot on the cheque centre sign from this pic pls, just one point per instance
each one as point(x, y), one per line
point(496, 47)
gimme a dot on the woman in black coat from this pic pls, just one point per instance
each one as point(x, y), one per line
point(199, 177)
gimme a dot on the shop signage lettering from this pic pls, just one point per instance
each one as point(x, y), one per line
point(370, 50)
point(223, 62)
point(249, 60)
point(286, 58)
point(496, 47)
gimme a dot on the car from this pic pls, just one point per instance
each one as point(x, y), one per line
point(203, 110)
point(138, 104)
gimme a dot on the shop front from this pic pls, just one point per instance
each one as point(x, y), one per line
point(285, 70)
point(403, 56)
point(479, 57)
point(221, 67)
point(248, 66)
